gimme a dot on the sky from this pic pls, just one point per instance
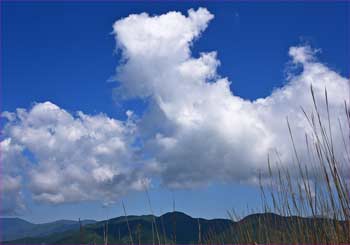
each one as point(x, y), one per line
point(103, 100)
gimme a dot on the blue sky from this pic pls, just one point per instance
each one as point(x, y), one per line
point(65, 53)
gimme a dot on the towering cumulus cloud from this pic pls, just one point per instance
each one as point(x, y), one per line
point(194, 131)
point(197, 130)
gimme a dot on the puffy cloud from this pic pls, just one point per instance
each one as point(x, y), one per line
point(196, 129)
point(69, 157)
point(12, 162)
point(144, 39)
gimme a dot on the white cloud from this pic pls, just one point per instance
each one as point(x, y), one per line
point(12, 163)
point(195, 128)
point(73, 157)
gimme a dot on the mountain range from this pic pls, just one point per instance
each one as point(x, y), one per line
point(16, 228)
point(173, 227)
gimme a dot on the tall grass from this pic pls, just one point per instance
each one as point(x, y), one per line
point(317, 206)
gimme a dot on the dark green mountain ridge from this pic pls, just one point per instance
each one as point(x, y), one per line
point(180, 228)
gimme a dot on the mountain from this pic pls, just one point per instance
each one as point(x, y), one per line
point(270, 228)
point(180, 228)
point(186, 229)
point(15, 228)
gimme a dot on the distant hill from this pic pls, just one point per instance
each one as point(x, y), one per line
point(184, 229)
point(15, 228)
